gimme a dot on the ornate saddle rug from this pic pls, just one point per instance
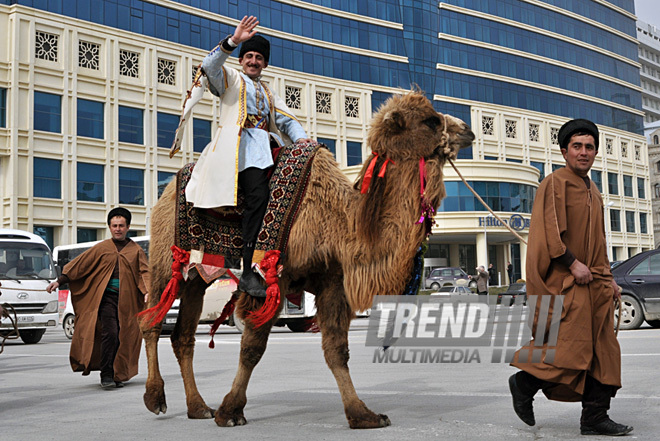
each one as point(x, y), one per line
point(214, 236)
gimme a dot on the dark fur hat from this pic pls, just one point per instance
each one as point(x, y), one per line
point(120, 211)
point(256, 44)
point(577, 126)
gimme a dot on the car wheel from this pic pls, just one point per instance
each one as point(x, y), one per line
point(435, 286)
point(239, 323)
point(68, 325)
point(631, 313)
point(654, 323)
point(472, 284)
point(31, 336)
point(301, 325)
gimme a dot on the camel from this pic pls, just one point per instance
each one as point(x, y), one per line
point(345, 247)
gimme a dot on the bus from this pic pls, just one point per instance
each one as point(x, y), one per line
point(26, 269)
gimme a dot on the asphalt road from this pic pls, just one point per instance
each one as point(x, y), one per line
point(293, 395)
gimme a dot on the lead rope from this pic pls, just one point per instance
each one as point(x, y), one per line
point(617, 303)
point(13, 334)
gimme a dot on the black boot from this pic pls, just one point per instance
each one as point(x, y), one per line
point(522, 401)
point(249, 281)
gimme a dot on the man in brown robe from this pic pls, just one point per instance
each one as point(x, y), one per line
point(108, 285)
point(567, 255)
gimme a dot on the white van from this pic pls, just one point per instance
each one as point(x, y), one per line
point(26, 269)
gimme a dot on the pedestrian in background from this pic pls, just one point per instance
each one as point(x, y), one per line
point(108, 286)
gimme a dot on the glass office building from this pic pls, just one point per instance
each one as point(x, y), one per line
point(515, 70)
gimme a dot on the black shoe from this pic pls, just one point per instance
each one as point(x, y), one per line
point(522, 403)
point(250, 284)
point(119, 384)
point(108, 383)
point(607, 427)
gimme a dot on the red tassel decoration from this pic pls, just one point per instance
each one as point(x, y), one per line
point(226, 312)
point(157, 313)
point(268, 310)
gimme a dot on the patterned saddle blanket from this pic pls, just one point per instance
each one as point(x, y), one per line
point(214, 238)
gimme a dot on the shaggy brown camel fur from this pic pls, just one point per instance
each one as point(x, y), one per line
point(345, 247)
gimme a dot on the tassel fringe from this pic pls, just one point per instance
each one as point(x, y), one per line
point(268, 310)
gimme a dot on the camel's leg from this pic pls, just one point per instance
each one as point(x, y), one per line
point(154, 395)
point(183, 344)
point(253, 345)
point(334, 317)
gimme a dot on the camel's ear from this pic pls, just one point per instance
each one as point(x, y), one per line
point(395, 121)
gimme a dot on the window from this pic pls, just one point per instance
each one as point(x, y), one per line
point(597, 178)
point(540, 167)
point(86, 235)
point(47, 112)
point(656, 187)
point(45, 46)
point(615, 220)
point(131, 186)
point(650, 265)
point(131, 125)
point(166, 127)
point(129, 63)
point(201, 133)
point(88, 55)
point(46, 233)
point(164, 178)
point(657, 167)
point(488, 125)
point(166, 71)
point(641, 188)
point(353, 153)
point(330, 143)
point(627, 186)
point(556, 167)
point(655, 140)
point(352, 106)
point(643, 228)
point(612, 183)
point(90, 182)
point(293, 98)
point(323, 103)
point(90, 118)
point(3, 107)
point(630, 221)
point(47, 178)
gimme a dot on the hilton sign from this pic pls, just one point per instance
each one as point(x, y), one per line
point(516, 221)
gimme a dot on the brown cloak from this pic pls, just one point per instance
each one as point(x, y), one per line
point(89, 275)
point(567, 214)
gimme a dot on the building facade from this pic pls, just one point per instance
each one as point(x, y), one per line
point(649, 57)
point(90, 98)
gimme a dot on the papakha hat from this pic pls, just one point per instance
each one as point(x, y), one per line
point(256, 44)
point(122, 212)
point(576, 126)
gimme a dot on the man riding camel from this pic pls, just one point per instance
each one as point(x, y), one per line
point(240, 152)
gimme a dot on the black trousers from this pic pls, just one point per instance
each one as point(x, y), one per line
point(109, 319)
point(254, 183)
point(595, 399)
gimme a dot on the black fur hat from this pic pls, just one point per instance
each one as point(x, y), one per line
point(120, 211)
point(256, 44)
point(576, 126)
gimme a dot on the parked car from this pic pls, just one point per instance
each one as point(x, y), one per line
point(514, 290)
point(447, 277)
point(639, 277)
point(452, 290)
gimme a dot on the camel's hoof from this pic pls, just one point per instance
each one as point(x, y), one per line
point(225, 420)
point(155, 402)
point(201, 412)
point(371, 423)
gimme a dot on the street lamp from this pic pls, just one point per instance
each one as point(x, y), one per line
point(608, 233)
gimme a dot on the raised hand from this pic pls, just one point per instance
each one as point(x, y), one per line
point(245, 29)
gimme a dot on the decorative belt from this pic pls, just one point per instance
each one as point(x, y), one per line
point(254, 122)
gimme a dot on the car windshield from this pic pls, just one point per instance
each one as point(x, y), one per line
point(446, 289)
point(22, 261)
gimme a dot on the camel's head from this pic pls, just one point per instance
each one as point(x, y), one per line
point(408, 127)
